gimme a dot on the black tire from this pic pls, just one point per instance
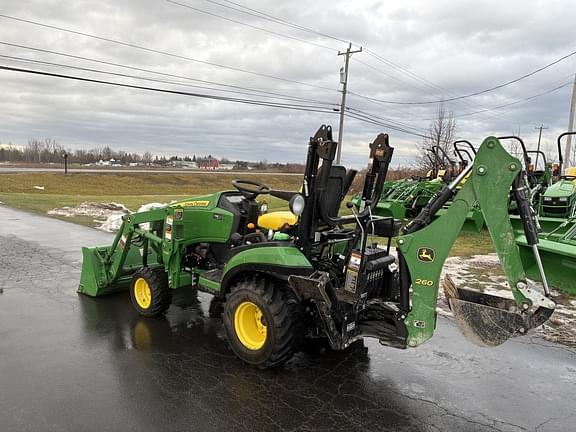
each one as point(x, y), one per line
point(160, 295)
point(216, 308)
point(282, 316)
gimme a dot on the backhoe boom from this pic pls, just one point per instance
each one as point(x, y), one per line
point(425, 246)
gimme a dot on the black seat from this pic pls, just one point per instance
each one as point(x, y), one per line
point(334, 191)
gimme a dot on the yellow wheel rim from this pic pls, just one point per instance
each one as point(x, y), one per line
point(249, 327)
point(142, 293)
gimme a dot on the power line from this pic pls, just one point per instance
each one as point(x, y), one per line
point(388, 120)
point(368, 119)
point(252, 26)
point(165, 53)
point(176, 92)
point(46, 63)
point(295, 107)
point(262, 15)
point(384, 73)
point(89, 59)
point(523, 100)
point(427, 86)
point(499, 86)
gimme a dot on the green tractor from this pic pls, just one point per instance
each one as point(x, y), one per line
point(559, 200)
point(557, 236)
point(278, 279)
point(465, 152)
point(404, 199)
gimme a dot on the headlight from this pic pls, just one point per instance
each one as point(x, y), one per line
point(563, 199)
point(296, 204)
point(263, 207)
point(547, 199)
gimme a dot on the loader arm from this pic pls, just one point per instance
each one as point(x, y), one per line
point(425, 245)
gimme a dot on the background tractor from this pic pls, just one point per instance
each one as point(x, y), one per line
point(278, 279)
point(559, 200)
point(557, 219)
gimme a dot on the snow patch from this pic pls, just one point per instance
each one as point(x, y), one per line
point(101, 212)
point(107, 215)
point(114, 220)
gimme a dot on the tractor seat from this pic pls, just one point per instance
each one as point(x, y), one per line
point(571, 174)
point(338, 182)
point(277, 221)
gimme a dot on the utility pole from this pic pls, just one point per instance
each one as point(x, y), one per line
point(539, 138)
point(344, 82)
point(568, 148)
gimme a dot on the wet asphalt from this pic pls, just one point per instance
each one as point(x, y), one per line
point(74, 363)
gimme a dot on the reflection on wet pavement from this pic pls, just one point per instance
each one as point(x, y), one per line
point(70, 362)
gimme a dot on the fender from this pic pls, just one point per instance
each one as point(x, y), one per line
point(278, 259)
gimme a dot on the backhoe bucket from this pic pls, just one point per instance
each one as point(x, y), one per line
point(488, 320)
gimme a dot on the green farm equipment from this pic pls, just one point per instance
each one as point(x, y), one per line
point(559, 199)
point(465, 152)
point(404, 199)
point(557, 219)
point(313, 273)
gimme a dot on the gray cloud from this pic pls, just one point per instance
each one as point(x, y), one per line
point(460, 47)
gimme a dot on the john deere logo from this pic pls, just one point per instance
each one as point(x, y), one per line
point(426, 254)
point(194, 203)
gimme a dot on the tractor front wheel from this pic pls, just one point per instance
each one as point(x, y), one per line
point(150, 292)
point(263, 322)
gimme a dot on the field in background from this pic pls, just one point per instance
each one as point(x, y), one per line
point(20, 190)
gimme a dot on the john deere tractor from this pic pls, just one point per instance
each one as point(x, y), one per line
point(314, 273)
point(559, 200)
point(557, 219)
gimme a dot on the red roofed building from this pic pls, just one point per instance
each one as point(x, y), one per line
point(208, 163)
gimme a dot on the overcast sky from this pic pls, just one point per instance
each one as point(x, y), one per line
point(418, 51)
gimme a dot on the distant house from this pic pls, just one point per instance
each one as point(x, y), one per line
point(184, 164)
point(111, 163)
point(227, 166)
point(208, 164)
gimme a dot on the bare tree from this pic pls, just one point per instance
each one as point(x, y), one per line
point(441, 133)
point(147, 158)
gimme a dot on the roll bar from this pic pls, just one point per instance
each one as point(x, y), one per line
point(524, 152)
point(559, 141)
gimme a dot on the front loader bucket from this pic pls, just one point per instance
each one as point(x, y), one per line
point(488, 320)
point(559, 259)
point(95, 279)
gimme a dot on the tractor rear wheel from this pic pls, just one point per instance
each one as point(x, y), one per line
point(149, 291)
point(263, 322)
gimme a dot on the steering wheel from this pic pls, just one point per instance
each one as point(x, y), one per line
point(244, 188)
